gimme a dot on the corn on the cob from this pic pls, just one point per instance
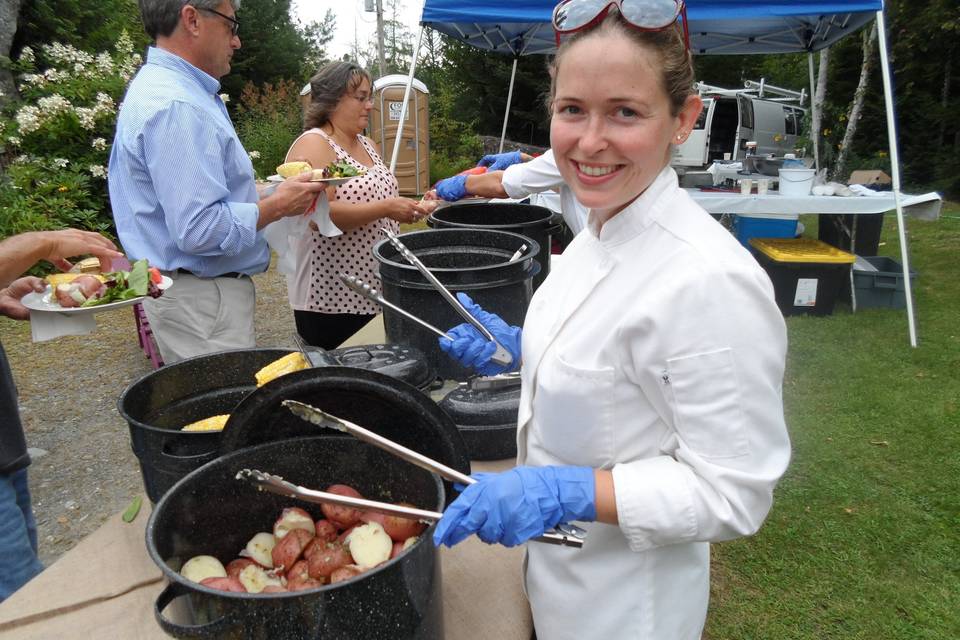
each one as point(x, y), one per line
point(213, 423)
point(287, 364)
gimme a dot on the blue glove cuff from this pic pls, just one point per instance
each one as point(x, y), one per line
point(576, 492)
point(452, 189)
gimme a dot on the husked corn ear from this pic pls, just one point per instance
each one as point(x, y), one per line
point(287, 364)
point(66, 278)
point(290, 169)
point(213, 423)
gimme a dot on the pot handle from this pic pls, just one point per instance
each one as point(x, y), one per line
point(187, 464)
point(208, 630)
point(556, 224)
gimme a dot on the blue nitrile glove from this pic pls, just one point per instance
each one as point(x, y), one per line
point(511, 507)
point(499, 161)
point(473, 350)
point(452, 189)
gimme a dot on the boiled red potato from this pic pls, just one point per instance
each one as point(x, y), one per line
point(255, 578)
point(399, 528)
point(286, 552)
point(293, 518)
point(342, 538)
point(234, 567)
point(90, 286)
point(327, 559)
point(68, 296)
point(260, 549)
point(224, 584)
point(369, 545)
point(199, 568)
point(342, 517)
point(373, 516)
point(345, 573)
point(400, 547)
point(326, 530)
point(299, 571)
point(272, 588)
point(304, 584)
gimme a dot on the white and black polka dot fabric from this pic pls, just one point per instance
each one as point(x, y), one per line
point(351, 252)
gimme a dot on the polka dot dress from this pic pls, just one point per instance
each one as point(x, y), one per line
point(351, 252)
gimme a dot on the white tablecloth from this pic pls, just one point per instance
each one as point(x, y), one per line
point(924, 207)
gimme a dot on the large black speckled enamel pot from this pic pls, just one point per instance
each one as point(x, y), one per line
point(161, 402)
point(209, 512)
point(474, 261)
point(157, 405)
point(538, 223)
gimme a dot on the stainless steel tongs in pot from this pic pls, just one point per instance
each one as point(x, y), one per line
point(565, 534)
point(476, 383)
point(501, 356)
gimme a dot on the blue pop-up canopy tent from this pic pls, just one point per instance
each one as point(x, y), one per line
point(717, 27)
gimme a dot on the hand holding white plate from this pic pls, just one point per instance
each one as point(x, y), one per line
point(47, 301)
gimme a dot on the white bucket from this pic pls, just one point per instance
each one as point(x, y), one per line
point(796, 182)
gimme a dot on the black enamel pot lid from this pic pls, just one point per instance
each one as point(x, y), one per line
point(378, 402)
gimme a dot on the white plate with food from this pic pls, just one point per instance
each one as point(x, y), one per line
point(335, 174)
point(330, 182)
point(47, 301)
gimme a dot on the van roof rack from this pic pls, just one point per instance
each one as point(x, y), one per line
point(757, 90)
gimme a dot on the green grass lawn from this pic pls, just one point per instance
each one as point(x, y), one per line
point(864, 537)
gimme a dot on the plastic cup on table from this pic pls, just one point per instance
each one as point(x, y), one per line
point(762, 184)
point(746, 185)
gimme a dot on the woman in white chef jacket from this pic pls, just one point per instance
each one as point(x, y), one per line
point(652, 362)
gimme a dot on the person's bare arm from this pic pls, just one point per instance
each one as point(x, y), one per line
point(347, 215)
point(486, 185)
point(605, 497)
point(20, 252)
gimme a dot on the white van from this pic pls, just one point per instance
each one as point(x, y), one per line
point(771, 116)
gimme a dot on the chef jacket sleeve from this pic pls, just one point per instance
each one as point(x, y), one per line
point(715, 377)
point(537, 175)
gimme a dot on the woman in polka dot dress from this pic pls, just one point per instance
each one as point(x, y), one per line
point(326, 312)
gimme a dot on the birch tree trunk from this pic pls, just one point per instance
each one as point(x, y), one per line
point(856, 107)
point(9, 10)
point(945, 98)
point(819, 99)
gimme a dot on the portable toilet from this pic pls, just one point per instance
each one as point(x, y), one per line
point(413, 164)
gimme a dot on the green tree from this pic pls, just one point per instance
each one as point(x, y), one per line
point(275, 46)
point(86, 25)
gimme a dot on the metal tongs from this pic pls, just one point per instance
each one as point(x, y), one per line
point(501, 356)
point(476, 383)
point(359, 286)
point(565, 534)
point(276, 484)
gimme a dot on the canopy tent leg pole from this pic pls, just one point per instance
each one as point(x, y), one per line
point(895, 170)
point(813, 113)
point(506, 115)
point(406, 99)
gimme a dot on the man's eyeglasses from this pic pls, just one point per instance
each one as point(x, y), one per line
point(571, 16)
point(234, 23)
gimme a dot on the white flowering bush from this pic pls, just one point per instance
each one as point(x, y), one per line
point(55, 142)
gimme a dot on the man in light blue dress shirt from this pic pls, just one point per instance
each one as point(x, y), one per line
point(182, 186)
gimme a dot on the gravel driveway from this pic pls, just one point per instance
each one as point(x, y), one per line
point(84, 471)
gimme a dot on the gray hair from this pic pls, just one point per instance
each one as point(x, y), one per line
point(160, 17)
point(327, 86)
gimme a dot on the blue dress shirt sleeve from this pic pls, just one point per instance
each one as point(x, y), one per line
point(191, 183)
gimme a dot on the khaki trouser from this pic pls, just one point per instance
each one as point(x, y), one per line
point(196, 316)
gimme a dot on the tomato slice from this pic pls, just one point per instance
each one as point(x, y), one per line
point(155, 276)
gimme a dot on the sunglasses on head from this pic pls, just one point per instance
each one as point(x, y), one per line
point(571, 16)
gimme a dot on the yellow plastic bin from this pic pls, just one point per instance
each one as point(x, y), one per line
point(807, 274)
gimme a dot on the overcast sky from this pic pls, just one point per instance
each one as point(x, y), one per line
point(352, 19)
